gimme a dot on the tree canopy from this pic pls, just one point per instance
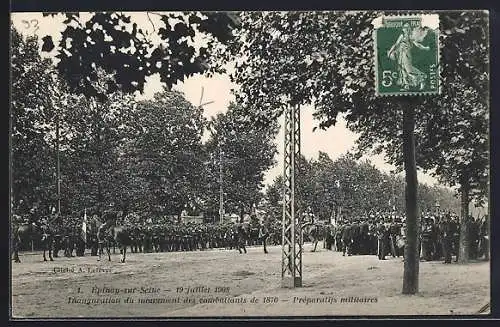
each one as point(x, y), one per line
point(245, 153)
point(352, 189)
point(112, 41)
point(31, 120)
point(324, 59)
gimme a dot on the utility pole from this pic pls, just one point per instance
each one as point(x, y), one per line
point(55, 96)
point(291, 249)
point(58, 164)
point(393, 192)
point(221, 188)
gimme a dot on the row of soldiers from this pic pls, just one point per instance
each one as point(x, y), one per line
point(379, 234)
point(383, 235)
point(71, 236)
point(372, 235)
point(146, 236)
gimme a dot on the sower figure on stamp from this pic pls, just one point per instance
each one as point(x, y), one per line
point(408, 75)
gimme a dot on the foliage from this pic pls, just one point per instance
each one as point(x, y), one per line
point(273, 199)
point(163, 152)
point(135, 156)
point(324, 59)
point(350, 188)
point(318, 58)
point(113, 42)
point(246, 152)
point(92, 172)
point(31, 121)
point(452, 129)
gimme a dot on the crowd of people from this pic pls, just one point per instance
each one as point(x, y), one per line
point(381, 234)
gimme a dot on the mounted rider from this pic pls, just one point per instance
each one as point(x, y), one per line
point(110, 217)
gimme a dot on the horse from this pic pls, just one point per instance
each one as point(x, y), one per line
point(266, 232)
point(315, 232)
point(240, 234)
point(244, 232)
point(115, 234)
point(26, 232)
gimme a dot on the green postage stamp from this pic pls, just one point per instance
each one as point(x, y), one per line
point(406, 55)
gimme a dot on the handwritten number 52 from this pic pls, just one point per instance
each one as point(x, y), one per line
point(32, 23)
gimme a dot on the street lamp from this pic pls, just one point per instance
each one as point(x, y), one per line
point(437, 206)
point(336, 210)
point(393, 191)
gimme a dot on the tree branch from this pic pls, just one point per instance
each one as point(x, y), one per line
point(149, 18)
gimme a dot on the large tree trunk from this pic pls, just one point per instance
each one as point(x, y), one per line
point(463, 251)
point(411, 263)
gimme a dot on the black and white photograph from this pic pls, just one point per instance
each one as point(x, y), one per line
point(239, 164)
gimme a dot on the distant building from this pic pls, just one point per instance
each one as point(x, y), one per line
point(192, 219)
point(231, 218)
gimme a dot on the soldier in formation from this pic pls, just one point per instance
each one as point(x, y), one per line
point(382, 234)
point(378, 233)
point(375, 234)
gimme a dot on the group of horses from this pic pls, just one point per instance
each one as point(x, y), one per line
point(24, 233)
point(43, 234)
point(112, 234)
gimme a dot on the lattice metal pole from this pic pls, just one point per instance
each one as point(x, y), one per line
point(291, 253)
point(221, 188)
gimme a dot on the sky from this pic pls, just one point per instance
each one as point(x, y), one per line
point(335, 141)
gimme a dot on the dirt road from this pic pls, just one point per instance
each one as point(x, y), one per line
point(225, 283)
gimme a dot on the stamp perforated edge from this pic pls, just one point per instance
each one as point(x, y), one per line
point(438, 57)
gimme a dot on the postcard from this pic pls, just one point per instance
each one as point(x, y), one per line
point(249, 164)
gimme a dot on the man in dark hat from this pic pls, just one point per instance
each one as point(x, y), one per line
point(346, 240)
point(455, 241)
point(393, 233)
point(426, 239)
point(446, 234)
point(383, 240)
point(484, 234)
point(473, 229)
